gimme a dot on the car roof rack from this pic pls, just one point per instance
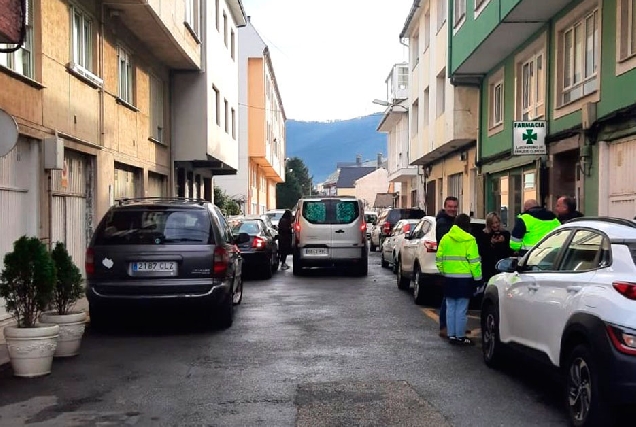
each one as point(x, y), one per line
point(609, 219)
point(127, 200)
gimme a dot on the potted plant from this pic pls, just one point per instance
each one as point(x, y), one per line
point(68, 289)
point(26, 284)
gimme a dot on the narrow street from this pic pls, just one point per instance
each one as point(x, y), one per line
point(325, 350)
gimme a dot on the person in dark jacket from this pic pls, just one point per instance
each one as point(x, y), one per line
point(531, 226)
point(494, 245)
point(285, 238)
point(566, 209)
point(443, 223)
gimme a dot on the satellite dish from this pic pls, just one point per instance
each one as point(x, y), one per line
point(8, 133)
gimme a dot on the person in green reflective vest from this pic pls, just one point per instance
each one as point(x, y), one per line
point(531, 226)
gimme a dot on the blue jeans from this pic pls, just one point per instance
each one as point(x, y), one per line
point(442, 315)
point(456, 309)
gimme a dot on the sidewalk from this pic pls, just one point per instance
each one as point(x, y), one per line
point(4, 355)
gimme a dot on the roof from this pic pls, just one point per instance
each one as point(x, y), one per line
point(409, 19)
point(349, 175)
point(384, 200)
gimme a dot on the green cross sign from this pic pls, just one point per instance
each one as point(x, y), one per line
point(529, 136)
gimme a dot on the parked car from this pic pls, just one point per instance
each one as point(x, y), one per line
point(571, 302)
point(416, 263)
point(275, 216)
point(387, 220)
point(330, 231)
point(155, 251)
point(392, 244)
point(370, 217)
point(260, 252)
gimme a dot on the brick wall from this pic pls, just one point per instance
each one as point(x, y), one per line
point(10, 22)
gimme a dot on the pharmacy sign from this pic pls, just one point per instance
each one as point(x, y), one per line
point(529, 138)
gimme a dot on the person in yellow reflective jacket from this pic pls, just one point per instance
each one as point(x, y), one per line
point(531, 226)
point(458, 260)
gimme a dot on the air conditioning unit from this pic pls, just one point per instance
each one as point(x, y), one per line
point(588, 115)
point(53, 153)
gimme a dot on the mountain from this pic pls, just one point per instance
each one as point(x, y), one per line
point(321, 145)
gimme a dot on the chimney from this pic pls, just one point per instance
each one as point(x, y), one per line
point(359, 160)
point(379, 160)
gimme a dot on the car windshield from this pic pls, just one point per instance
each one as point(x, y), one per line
point(154, 226)
point(370, 218)
point(250, 227)
point(275, 216)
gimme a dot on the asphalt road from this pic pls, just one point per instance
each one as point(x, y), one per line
point(325, 350)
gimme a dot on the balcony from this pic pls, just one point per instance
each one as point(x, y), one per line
point(165, 35)
point(484, 41)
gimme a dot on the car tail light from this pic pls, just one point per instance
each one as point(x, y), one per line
point(221, 260)
point(258, 243)
point(297, 227)
point(626, 289)
point(430, 246)
point(386, 229)
point(363, 233)
point(623, 341)
point(89, 263)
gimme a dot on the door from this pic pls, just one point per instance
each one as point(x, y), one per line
point(71, 205)
point(127, 182)
point(521, 320)
point(585, 253)
point(18, 198)
point(347, 234)
point(157, 185)
point(430, 198)
point(622, 192)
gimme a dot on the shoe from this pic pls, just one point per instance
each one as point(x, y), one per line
point(284, 267)
point(443, 333)
point(464, 341)
point(452, 340)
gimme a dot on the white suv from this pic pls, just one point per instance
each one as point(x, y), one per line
point(571, 301)
point(330, 231)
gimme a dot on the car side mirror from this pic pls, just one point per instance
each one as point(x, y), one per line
point(507, 265)
point(242, 238)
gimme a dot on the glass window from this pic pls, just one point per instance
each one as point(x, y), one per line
point(250, 227)
point(315, 212)
point(151, 226)
point(543, 256)
point(346, 212)
point(580, 60)
point(588, 250)
point(126, 76)
point(331, 211)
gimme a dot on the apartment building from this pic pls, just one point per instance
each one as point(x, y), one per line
point(564, 64)
point(443, 118)
point(395, 123)
point(206, 104)
point(261, 134)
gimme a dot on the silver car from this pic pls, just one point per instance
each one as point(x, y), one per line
point(330, 231)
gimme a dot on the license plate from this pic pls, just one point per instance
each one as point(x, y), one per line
point(316, 251)
point(164, 266)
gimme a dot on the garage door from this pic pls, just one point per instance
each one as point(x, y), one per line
point(127, 181)
point(157, 185)
point(72, 205)
point(18, 198)
point(622, 191)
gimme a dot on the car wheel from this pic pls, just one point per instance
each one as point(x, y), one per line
point(372, 247)
point(490, 343)
point(586, 407)
point(237, 297)
point(419, 293)
point(226, 312)
point(275, 263)
point(297, 267)
point(394, 269)
point(402, 283)
point(383, 262)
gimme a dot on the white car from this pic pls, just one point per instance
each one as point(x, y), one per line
point(275, 215)
point(416, 264)
point(571, 302)
point(390, 250)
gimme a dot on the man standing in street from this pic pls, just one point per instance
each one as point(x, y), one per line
point(531, 226)
point(443, 223)
point(566, 209)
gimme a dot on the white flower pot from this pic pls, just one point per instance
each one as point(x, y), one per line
point(72, 327)
point(31, 349)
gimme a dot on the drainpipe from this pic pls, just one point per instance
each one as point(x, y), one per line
point(544, 172)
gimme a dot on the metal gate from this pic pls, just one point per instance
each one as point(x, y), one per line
point(71, 205)
point(622, 191)
point(456, 188)
point(19, 180)
point(127, 182)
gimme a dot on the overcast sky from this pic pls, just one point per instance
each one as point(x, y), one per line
point(331, 57)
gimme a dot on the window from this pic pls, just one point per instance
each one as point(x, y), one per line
point(459, 12)
point(193, 15)
point(441, 13)
point(232, 44)
point(426, 106)
point(225, 28)
point(403, 78)
point(125, 74)
point(217, 15)
point(233, 123)
point(415, 114)
point(587, 251)
point(441, 93)
point(21, 61)
point(528, 180)
point(427, 30)
point(627, 24)
point(156, 108)
point(543, 256)
point(580, 58)
point(217, 96)
point(415, 51)
point(496, 103)
point(479, 4)
point(82, 39)
point(227, 116)
point(456, 187)
point(533, 87)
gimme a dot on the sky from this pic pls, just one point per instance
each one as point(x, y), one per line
point(331, 57)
